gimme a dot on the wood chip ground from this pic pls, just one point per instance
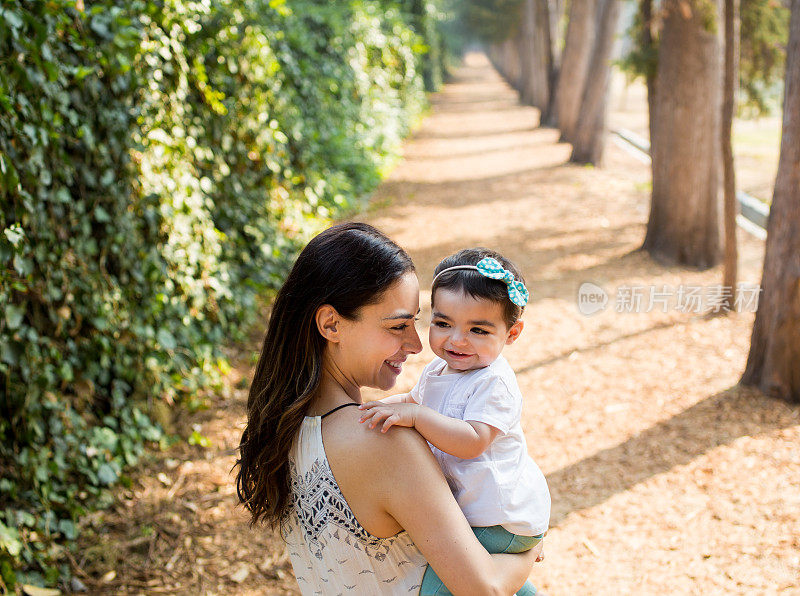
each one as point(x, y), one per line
point(666, 476)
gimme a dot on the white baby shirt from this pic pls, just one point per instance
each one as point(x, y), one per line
point(503, 485)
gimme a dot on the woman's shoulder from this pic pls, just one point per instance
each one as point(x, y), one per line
point(371, 468)
point(345, 433)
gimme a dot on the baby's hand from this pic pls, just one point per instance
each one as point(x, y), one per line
point(400, 414)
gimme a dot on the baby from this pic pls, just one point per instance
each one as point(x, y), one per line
point(467, 405)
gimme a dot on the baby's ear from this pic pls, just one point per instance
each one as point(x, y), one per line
point(514, 332)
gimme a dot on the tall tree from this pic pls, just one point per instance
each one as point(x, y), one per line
point(556, 10)
point(544, 53)
point(649, 55)
point(685, 212)
point(574, 66)
point(527, 50)
point(729, 175)
point(536, 53)
point(774, 361)
point(589, 133)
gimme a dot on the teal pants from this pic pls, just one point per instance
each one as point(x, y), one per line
point(495, 539)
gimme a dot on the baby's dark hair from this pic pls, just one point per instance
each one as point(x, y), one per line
point(472, 283)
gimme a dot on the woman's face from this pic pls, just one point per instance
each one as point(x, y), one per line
point(373, 347)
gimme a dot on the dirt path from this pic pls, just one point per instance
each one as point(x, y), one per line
point(665, 477)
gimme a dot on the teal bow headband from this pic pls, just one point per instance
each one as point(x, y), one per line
point(491, 268)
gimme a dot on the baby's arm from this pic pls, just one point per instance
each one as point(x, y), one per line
point(398, 398)
point(460, 438)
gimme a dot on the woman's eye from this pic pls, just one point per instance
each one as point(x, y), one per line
point(400, 327)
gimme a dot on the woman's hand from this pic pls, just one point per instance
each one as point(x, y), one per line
point(392, 414)
point(538, 550)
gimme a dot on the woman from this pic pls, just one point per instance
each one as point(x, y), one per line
point(362, 512)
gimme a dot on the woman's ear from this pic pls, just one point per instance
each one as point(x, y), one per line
point(514, 332)
point(328, 323)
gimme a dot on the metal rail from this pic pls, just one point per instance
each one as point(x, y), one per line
point(754, 213)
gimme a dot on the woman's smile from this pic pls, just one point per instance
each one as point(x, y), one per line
point(396, 366)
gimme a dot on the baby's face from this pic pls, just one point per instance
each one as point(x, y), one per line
point(467, 332)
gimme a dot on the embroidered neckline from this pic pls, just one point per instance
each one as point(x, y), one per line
point(317, 503)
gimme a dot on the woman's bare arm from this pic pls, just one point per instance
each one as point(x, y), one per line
point(463, 438)
point(414, 492)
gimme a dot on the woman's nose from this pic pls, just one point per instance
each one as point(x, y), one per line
point(413, 345)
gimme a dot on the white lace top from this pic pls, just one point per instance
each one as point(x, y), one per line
point(331, 552)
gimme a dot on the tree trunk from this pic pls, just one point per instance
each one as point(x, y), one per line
point(729, 175)
point(527, 52)
point(512, 66)
point(589, 134)
point(544, 54)
point(555, 12)
point(550, 113)
point(774, 361)
point(537, 53)
point(648, 47)
point(685, 212)
point(574, 66)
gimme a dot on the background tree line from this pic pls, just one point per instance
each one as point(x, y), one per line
point(693, 55)
point(160, 164)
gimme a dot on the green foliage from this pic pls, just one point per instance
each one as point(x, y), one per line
point(428, 19)
point(490, 20)
point(160, 164)
point(642, 57)
point(764, 35)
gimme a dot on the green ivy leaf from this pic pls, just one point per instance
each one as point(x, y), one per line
point(68, 528)
point(9, 540)
point(23, 265)
point(13, 19)
point(106, 474)
point(14, 235)
point(14, 315)
point(166, 339)
point(101, 215)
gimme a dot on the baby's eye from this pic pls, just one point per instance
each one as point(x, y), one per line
point(479, 331)
point(441, 324)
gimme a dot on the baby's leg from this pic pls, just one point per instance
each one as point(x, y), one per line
point(495, 539)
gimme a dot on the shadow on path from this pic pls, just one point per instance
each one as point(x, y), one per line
point(713, 422)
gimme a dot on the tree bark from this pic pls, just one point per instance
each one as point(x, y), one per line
point(589, 134)
point(648, 46)
point(685, 224)
point(774, 361)
point(512, 66)
point(537, 53)
point(550, 113)
point(544, 53)
point(729, 175)
point(574, 66)
point(527, 51)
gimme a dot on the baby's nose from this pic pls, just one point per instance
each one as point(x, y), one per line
point(458, 338)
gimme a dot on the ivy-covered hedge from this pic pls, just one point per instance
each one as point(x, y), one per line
point(160, 163)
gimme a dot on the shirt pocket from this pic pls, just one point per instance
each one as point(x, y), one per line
point(455, 409)
point(456, 403)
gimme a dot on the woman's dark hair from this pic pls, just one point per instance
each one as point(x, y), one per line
point(347, 266)
point(474, 284)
